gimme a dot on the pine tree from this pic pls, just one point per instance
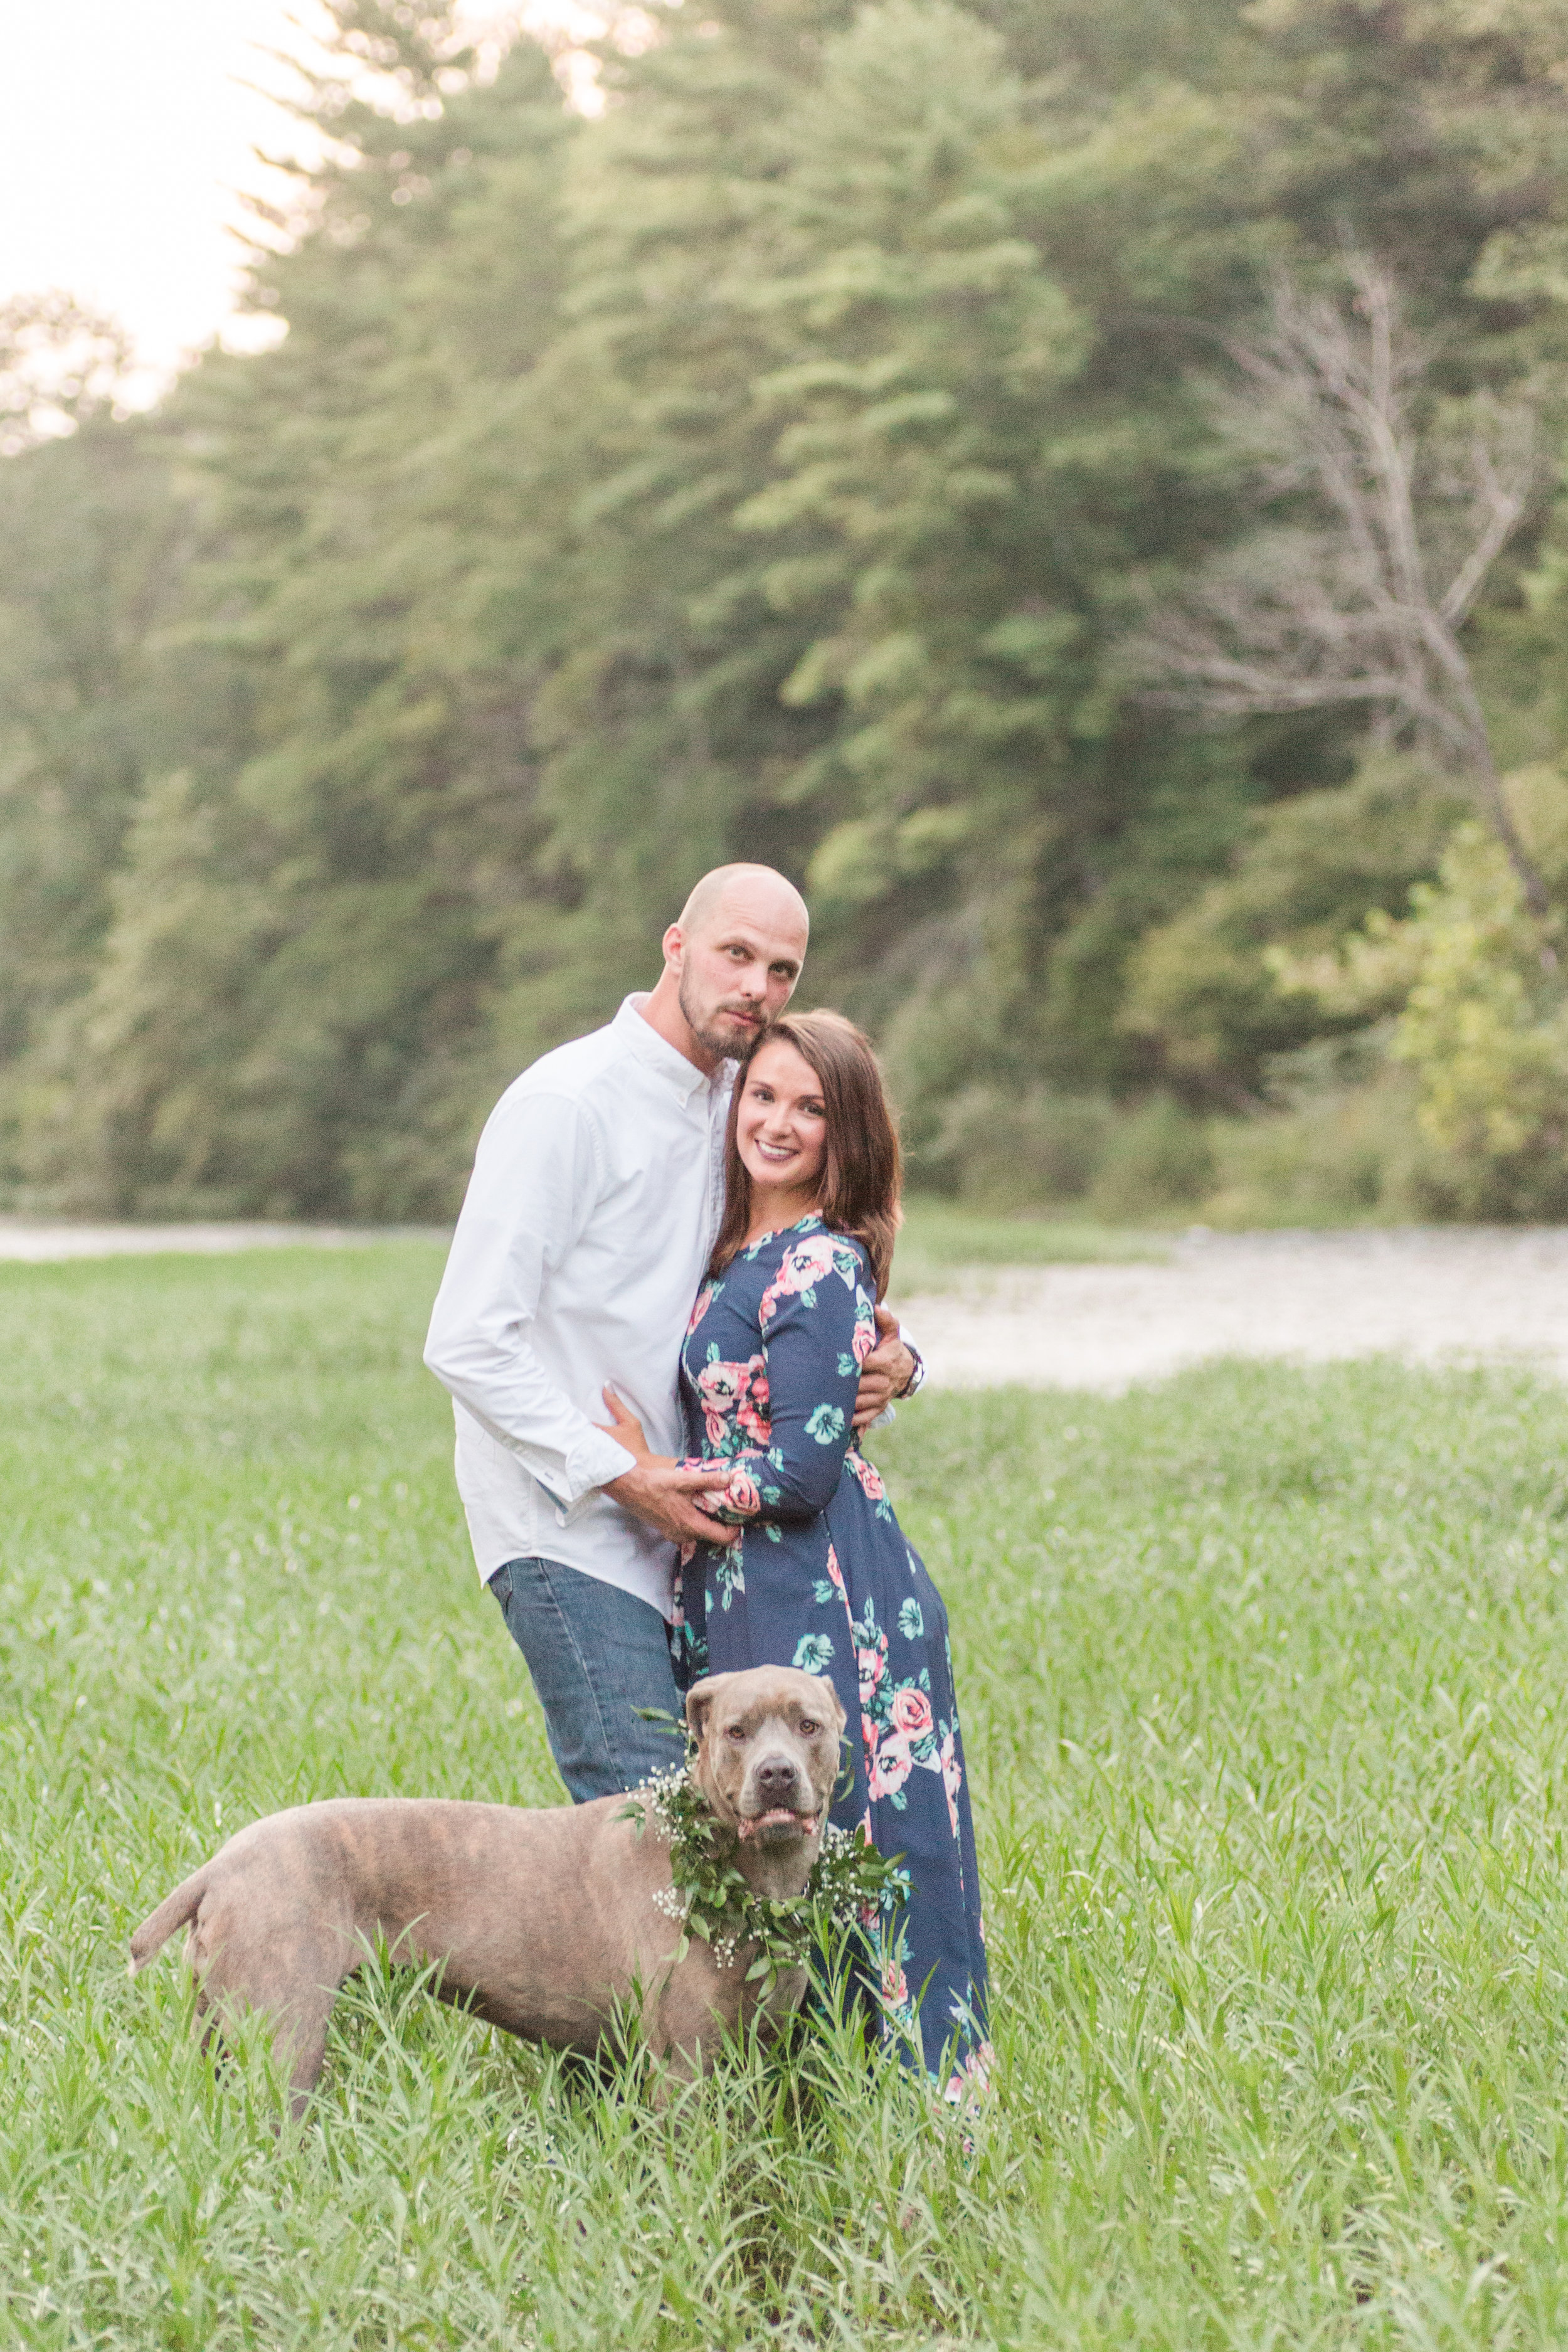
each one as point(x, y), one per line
point(343, 863)
point(96, 531)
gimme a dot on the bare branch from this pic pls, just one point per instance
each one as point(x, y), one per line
point(1504, 468)
point(1322, 409)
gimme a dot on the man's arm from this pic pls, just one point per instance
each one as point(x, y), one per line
point(532, 1189)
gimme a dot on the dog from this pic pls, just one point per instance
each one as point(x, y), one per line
point(546, 1923)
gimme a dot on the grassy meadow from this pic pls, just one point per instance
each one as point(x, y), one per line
point(1265, 1691)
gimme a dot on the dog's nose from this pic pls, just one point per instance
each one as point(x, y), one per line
point(777, 1778)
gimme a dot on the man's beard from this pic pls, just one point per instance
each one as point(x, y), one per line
point(727, 1042)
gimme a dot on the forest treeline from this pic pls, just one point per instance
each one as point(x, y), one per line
point(788, 463)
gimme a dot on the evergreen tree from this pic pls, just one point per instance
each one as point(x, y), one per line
point(96, 533)
point(310, 910)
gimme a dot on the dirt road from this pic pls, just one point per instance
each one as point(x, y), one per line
point(37, 1241)
point(1428, 1295)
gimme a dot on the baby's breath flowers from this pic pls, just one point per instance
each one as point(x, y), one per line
point(850, 1886)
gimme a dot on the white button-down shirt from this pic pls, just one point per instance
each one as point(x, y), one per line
point(590, 1216)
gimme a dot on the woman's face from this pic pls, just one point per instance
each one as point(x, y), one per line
point(781, 1129)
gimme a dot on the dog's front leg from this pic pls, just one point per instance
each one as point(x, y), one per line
point(698, 2008)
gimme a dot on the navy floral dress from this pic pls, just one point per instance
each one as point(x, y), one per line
point(819, 1575)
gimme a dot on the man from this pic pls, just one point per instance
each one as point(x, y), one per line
point(594, 1204)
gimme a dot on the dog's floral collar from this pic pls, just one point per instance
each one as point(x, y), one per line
point(850, 1886)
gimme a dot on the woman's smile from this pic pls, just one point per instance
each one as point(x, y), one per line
point(780, 1132)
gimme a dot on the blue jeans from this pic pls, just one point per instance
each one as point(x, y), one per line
point(595, 1654)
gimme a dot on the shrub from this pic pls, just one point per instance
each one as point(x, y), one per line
point(1482, 1018)
point(1200, 989)
point(1157, 1158)
point(1346, 1149)
point(1005, 1152)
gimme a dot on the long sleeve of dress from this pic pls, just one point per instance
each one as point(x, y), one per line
point(796, 1398)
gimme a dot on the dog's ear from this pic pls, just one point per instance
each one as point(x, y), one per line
point(699, 1699)
point(834, 1703)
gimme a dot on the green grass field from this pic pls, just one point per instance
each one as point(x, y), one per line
point(1264, 1690)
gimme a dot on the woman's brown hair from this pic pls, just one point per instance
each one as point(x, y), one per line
point(859, 1194)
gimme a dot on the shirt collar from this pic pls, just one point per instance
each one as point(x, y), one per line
point(645, 1043)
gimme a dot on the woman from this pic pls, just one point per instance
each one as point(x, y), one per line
point(818, 1574)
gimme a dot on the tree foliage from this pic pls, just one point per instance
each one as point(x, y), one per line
point(1480, 1017)
point(773, 466)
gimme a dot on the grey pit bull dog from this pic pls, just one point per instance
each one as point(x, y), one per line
point(543, 1923)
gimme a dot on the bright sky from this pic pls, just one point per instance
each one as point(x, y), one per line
point(125, 132)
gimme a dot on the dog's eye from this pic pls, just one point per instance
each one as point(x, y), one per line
point(735, 1731)
point(807, 1728)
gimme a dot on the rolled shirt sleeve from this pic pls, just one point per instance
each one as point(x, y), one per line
point(537, 1178)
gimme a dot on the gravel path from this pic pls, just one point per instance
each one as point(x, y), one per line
point(37, 1242)
point(1431, 1296)
point(23, 1237)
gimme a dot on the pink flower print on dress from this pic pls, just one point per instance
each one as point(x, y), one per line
point(868, 1478)
point(911, 1712)
point(704, 1300)
point(804, 1264)
point(895, 1984)
point(951, 1776)
point(835, 1573)
point(865, 1474)
point(864, 1338)
point(720, 1389)
point(751, 1410)
point(873, 1665)
point(741, 1496)
point(888, 1765)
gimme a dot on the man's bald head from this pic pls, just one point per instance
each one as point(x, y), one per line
point(730, 962)
point(752, 891)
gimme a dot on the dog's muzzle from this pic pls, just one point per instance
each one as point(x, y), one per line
point(776, 1828)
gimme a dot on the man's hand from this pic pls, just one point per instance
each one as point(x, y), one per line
point(885, 1372)
point(666, 1497)
point(625, 1427)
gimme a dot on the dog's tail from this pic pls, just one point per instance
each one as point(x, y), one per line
point(175, 1911)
